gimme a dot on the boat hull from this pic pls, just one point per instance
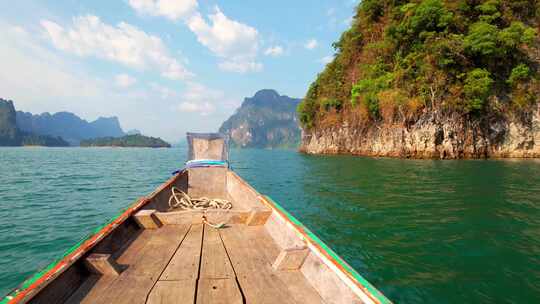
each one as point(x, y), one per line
point(321, 275)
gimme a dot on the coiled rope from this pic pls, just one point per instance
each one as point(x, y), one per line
point(180, 200)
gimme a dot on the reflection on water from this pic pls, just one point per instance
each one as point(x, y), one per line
point(420, 231)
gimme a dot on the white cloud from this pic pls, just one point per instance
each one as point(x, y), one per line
point(29, 71)
point(311, 44)
point(240, 66)
point(40, 79)
point(124, 80)
point(204, 108)
point(124, 44)
point(163, 92)
point(274, 51)
point(327, 59)
point(234, 42)
point(171, 9)
point(200, 99)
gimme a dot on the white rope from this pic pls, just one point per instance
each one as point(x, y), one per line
point(180, 200)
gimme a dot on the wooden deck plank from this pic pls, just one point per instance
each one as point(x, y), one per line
point(218, 291)
point(185, 263)
point(177, 283)
point(173, 292)
point(95, 285)
point(135, 283)
point(257, 280)
point(215, 263)
point(158, 252)
point(298, 286)
point(163, 267)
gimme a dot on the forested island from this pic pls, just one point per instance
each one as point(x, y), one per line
point(430, 79)
point(135, 140)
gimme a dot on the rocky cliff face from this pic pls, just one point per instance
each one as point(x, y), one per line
point(8, 126)
point(430, 79)
point(266, 120)
point(434, 136)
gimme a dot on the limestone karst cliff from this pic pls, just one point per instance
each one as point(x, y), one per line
point(430, 79)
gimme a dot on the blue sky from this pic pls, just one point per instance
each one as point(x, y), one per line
point(164, 67)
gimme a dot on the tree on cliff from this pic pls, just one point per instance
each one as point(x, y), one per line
point(404, 58)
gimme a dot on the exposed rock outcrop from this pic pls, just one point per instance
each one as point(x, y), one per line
point(445, 137)
point(266, 120)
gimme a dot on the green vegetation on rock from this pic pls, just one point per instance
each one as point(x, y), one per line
point(136, 140)
point(402, 58)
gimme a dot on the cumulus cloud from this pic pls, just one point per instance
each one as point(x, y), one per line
point(204, 108)
point(234, 42)
point(40, 79)
point(124, 80)
point(199, 99)
point(274, 51)
point(124, 43)
point(162, 91)
point(311, 44)
point(171, 9)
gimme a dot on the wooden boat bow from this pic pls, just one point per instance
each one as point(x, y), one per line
point(152, 254)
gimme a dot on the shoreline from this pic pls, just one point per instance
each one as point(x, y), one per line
point(36, 146)
point(434, 157)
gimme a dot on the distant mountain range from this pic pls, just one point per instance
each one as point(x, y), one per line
point(69, 126)
point(66, 129)
point(12, 135)
point(266, 120)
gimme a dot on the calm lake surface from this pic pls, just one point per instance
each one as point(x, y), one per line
point(420, 231)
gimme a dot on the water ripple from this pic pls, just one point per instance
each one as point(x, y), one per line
point(420, 231)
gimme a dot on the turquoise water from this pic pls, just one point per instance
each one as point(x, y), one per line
point(420, 231)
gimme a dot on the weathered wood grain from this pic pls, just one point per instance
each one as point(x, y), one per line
point(102, 264)
point(134, 284)
point(147, 219)
point(215, 263)
point(290, 259)
point(257, 280)
point(297, 284)
point(218, 291)
point(258, 216)
point(173, 292)
point(185, 263)
point(331, 288)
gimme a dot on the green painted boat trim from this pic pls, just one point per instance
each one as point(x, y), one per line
point(40, 273)
point(374, 291)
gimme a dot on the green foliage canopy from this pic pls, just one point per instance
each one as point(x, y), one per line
point(453, 55)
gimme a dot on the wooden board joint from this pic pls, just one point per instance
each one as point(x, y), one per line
point(103, 264)
point(147, 219)
point(258, 216)
point(291, 258)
